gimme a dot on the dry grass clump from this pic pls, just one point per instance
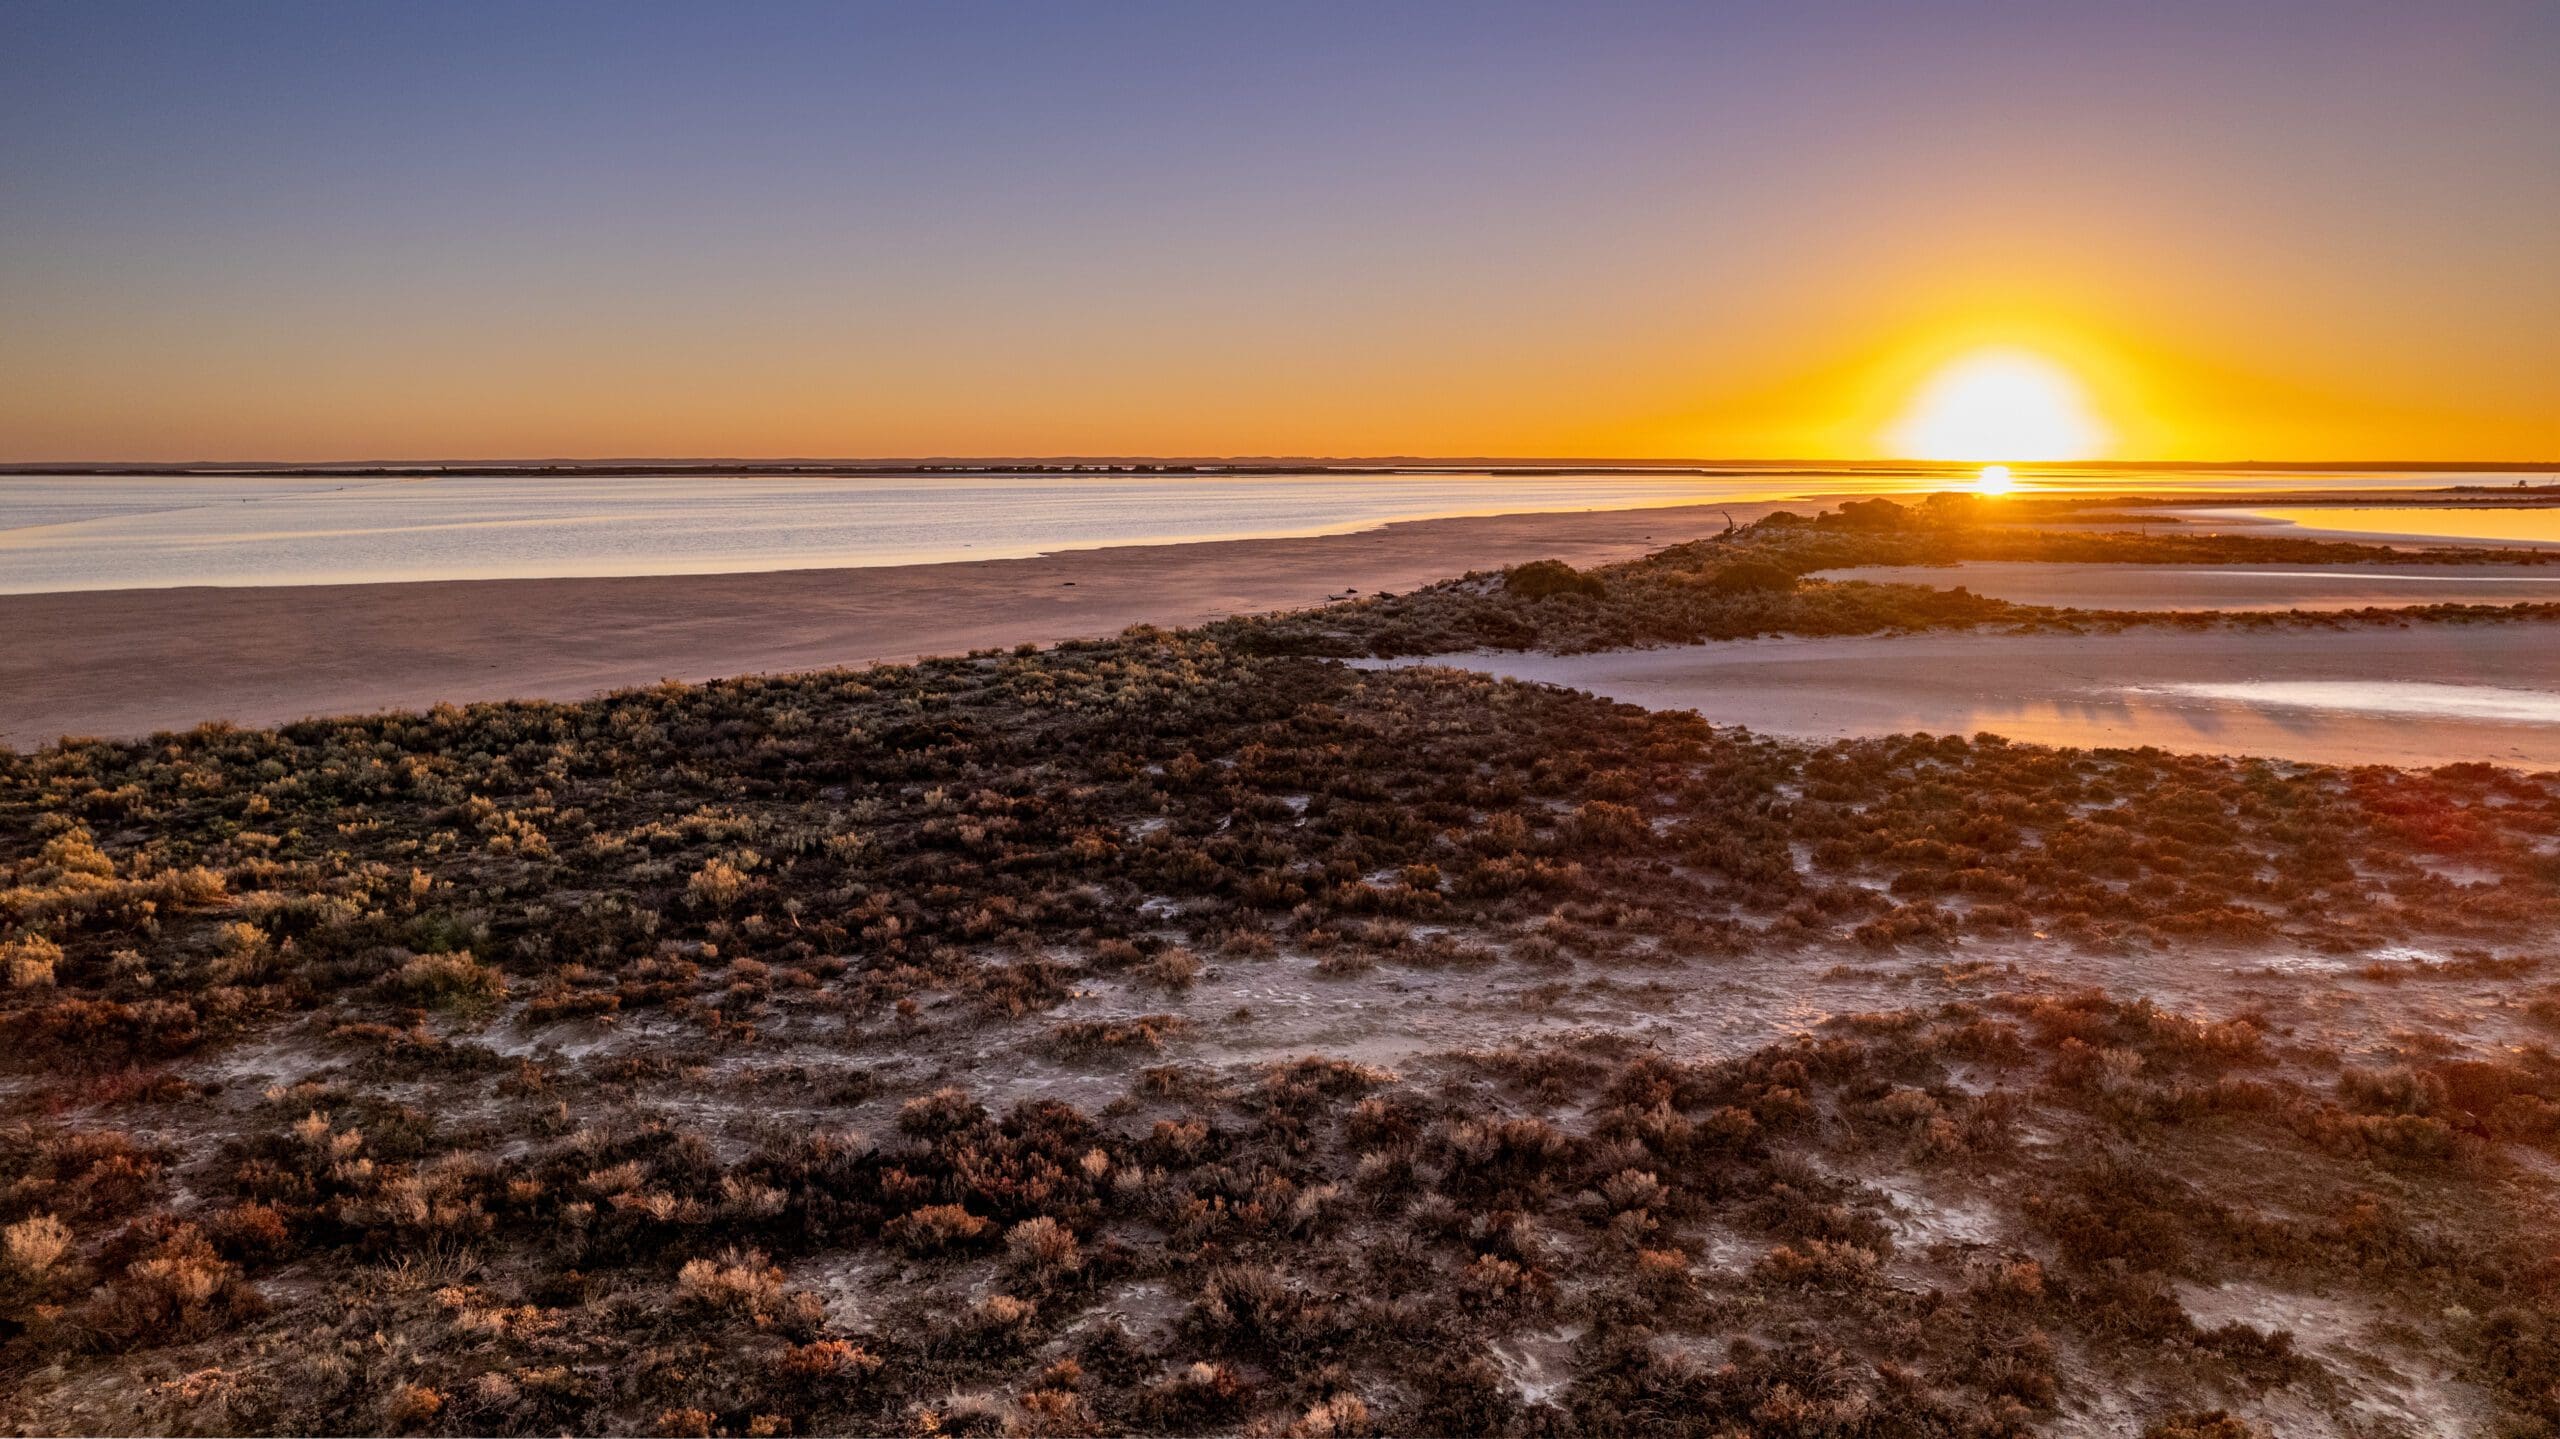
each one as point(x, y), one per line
point(31, 1247)
point(28, 962)
point(1043, 1247)
point(743, 1284)
point(1144, 1032)
point(937, 1229)
point(1172, 968)
point(448, 980)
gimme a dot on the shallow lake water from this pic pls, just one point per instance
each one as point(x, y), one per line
point(84, 533)
point(2455, 523)
point(94, 532)
point(2227, 587)
point(2419, 695)
point(2412, 699)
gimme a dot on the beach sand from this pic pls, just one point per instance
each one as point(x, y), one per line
point(2416, 696)
point(125, 663)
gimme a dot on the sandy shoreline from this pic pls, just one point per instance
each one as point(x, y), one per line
point(125, 663)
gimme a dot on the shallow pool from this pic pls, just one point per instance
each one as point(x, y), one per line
point(2420, 695)
point(2530, 526)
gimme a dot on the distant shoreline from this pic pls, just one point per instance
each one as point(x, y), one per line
point(126, 663)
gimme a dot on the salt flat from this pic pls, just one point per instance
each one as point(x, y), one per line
point(123, 663)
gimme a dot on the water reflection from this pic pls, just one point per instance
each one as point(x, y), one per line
point(2446, 522)
point(67, 532)
point(2225, 587)
point(2489, 693)
point(2391, 697)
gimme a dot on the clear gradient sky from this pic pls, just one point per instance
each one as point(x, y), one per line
point(344, 230)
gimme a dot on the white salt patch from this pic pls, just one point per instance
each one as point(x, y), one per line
point(850, 1288)
point(1922, 1220)
point(1537, 1363)
point(2385, 1384)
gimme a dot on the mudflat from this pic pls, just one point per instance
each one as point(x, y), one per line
point(125, 663)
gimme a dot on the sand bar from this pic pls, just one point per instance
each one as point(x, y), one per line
point(2421, 696)
point(123, 663)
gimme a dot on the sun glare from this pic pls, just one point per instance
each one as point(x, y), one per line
point(1995, 480)
point(1999, 405)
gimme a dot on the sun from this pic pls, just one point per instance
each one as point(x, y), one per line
point(1999, 405)
point(1994, 480)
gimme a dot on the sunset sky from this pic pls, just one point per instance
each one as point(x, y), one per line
point(345, 230)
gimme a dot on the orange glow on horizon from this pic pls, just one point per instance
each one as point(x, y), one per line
point(1860, 383)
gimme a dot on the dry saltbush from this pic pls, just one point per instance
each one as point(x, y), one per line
point(29, 961)
point(1043, 1247)
point(825, 1359)
point(1344, 1416)
point(33, 1246)
point(748, 1200)
point(1173, 968)
point(182, 1290)
point(720, 881)
point(936, 1228)
point(410, 1406)
point(998, 1313)
point(1817, 1263)
point(741, 1282)
point(945, 1111)
point(448, 979)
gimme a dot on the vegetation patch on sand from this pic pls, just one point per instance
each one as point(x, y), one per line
point(872, 1051)
point(1755, 580)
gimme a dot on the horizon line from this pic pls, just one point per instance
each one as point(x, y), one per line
point(1263, 462)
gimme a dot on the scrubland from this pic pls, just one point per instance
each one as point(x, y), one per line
point(1187, 1033)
